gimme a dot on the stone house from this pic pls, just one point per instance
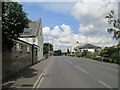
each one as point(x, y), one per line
point(34, 35)
point(26, 51)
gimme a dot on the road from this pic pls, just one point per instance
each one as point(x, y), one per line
point(69, 72)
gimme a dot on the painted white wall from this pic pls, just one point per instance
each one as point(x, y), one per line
point(40, 44)
point(74, 46)
point(30, 40)
point(91, 50)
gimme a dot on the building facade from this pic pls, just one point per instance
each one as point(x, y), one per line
point(34, 36)
point(89, 47)
point(73, 48)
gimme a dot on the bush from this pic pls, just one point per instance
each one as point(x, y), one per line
point(86, 54)
point(95, 56)
point(78, 54)
point(113, 55)
point(99, 58)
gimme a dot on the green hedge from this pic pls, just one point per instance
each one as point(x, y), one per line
point(113, 55)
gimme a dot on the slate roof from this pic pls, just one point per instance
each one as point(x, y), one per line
point(89, 46)
point(33, 30)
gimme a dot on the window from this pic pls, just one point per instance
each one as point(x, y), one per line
point(34, 40)
point(27, 31)
point(18, 47)
point(28, 49)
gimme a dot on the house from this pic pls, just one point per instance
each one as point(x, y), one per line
point(118, 45)
point(27, 50)
point(34, 36)
point(89, 47)
point(73, 47)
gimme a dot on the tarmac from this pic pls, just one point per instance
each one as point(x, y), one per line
point(27, 77)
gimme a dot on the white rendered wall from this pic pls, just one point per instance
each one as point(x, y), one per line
point(30, 40)
point(91, 50)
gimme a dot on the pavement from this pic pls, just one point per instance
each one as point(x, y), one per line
point(27, 77)
point(70, 72)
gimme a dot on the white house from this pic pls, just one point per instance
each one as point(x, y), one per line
point(89, 47)
point(73, 47)
point(34, 35)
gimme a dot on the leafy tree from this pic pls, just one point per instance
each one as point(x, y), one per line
point(115, 23)
point(68, 52)
point(14, 20)
point(47, 47)
point(57, 53)
point(64, 53)
point(78, 54)
point(84, 53)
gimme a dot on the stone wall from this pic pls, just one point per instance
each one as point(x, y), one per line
point(35, 54)
point(14, 61)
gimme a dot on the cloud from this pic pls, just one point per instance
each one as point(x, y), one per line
point(58, 31)
point(92, 26)
point(62, 37)
point(93, 14)
point(46, 30)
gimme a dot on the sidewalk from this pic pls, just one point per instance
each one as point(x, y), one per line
point(27, 77)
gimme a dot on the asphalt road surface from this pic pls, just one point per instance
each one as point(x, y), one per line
point(69, 72)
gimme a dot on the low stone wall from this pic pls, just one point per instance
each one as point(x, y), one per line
point(35, 54)
point(14, 61)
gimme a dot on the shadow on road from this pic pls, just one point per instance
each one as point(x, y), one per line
point(27, 73)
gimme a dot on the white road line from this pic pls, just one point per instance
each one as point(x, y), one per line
point(81, 69)
point(70, 62)
point(39, 78)
point(105, 84)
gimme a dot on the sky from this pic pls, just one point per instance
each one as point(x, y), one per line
point(65, 23)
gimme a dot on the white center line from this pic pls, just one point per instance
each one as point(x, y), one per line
point(105, 84)
point(81, 69)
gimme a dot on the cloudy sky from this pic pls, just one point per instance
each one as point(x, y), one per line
point(64, 23)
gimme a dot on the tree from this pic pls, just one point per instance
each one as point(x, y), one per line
point(47, 47)
point(14, 20)
point(68, 52)
point(57, 53)
point(115, 23)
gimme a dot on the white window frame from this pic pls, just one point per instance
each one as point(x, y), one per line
point(18, 47)
point(28, 48)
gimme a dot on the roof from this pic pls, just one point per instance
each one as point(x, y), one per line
point(89, 46)
point(118, 44)
point(33, 30)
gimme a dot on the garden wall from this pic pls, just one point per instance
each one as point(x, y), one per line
point(21, 56)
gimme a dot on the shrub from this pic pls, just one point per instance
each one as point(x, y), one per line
point(113, 54)
point(99, 58)
point(78, 54)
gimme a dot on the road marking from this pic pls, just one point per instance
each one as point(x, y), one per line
point(81, 69)
point(39, 78)
point(70, 62)
point(105, 84)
